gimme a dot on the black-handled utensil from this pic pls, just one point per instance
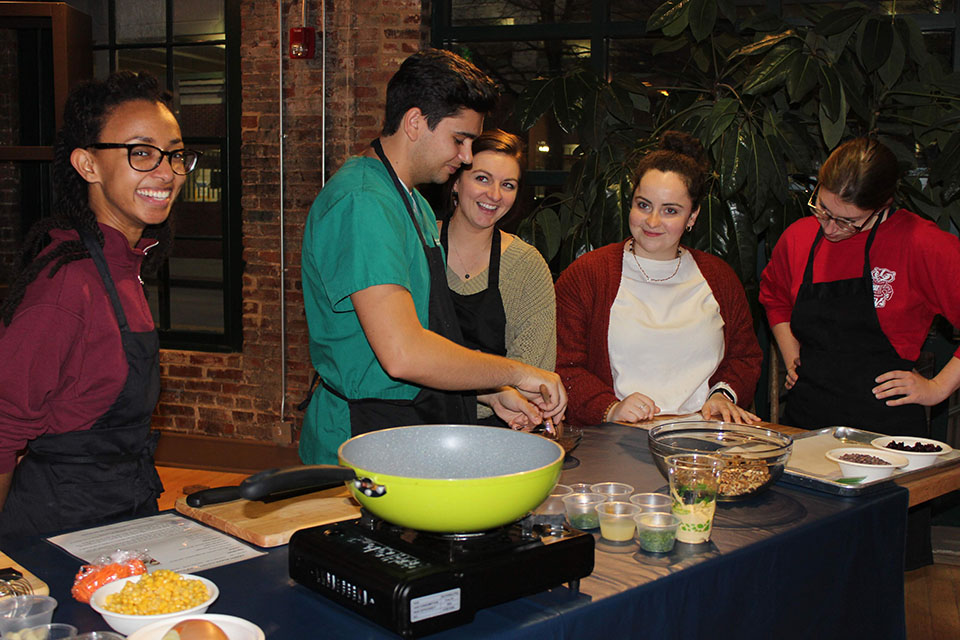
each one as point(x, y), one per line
point(216, 495)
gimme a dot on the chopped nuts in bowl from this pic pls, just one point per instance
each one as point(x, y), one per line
point(754, 457)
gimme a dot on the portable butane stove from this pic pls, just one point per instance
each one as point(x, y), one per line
point(415, 582)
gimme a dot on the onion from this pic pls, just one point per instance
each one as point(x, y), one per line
point(195, 630)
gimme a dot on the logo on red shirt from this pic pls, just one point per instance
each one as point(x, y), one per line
point(882, 286)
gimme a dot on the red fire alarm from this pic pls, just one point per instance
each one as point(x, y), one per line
point(302, 42)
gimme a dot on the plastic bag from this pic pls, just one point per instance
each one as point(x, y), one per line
point(120, 564)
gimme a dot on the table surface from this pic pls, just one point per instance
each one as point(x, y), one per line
point(791, 563)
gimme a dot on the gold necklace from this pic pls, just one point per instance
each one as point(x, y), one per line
point(633, 244)
point(463, 265)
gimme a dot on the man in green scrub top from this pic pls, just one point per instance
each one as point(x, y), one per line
point(382, 339)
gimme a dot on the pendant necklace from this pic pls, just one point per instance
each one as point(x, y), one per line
point(466, 276)
point(633, 244)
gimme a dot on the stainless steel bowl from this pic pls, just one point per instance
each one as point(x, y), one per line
point(755, 457)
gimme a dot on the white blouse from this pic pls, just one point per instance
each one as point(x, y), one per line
point(665, 338)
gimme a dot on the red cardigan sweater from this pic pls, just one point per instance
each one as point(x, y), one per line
point(586, 291)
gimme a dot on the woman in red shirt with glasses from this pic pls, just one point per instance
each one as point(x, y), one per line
point(850, 294)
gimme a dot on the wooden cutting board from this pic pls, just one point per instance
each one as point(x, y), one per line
point(38, 586)
point(270, 524)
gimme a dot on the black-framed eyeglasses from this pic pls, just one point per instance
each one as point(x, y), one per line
point(146, 157)
point(842, 223)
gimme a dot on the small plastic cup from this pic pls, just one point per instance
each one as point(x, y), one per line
point(694, 485)
point(580, 487)
point(99, 635)
point(23, 612)
point(581, 509)
point(652, 502)
point(616, 520)
point(656, 531)
point(554, 503)
point(55, 631)
point(614, 491)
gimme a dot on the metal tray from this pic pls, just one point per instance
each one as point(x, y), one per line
point(809, 467)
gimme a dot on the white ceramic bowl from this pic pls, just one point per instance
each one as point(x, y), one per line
point(235, 628)
point(916, 459)
point(127, 623)
point(868, 472)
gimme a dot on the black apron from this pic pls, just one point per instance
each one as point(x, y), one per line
point(82, 478)
point(842, 351)
point(430, 406)
point(482, 319)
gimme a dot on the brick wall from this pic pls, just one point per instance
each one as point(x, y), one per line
point(239, 395)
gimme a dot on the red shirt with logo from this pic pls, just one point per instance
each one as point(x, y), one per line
point(914, 264)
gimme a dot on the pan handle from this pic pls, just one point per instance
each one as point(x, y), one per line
point(216, 495)
point(265, 483)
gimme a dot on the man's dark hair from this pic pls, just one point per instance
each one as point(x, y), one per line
point(84, 115)
point(440, 83)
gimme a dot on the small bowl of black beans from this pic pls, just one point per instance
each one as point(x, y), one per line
point(865, 463)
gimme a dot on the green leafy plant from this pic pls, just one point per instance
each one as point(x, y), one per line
point(769, 100)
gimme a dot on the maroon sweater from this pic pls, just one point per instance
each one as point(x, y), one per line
point(586, 291)
point(62, 361)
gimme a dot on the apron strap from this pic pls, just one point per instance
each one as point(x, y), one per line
point(96, 252)
point(493, 264)
point(808, 270)
point(378, 148)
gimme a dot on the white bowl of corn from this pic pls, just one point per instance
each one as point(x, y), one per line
point(130, 603)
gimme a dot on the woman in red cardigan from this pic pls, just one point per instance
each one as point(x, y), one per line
point(646, 326)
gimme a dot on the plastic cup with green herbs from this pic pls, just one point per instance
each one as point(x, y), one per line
point(656, 531)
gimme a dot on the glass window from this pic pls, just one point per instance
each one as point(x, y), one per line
point(633, 10)
point(141, 21)
point(940, 46)
point(99, 19)
point(515, 64)
point(486, 13)
point(198, 20)
point(153, 61)
point(9, 99)
point(101, 63)
point(11, 228)
point(900, 7)
point(200, 83)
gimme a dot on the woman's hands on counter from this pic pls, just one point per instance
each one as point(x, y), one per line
point(636, 407)
point(719, 407)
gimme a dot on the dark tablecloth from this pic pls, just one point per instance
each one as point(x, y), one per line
point(791, 563)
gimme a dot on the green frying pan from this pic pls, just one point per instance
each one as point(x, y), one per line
point(442, 478)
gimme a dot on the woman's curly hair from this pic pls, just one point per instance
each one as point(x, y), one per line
point(682, 154)
point(84, 115)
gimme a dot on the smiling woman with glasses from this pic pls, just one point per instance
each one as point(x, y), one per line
point(850, 294)
point(146, 157)
point(80, 375)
